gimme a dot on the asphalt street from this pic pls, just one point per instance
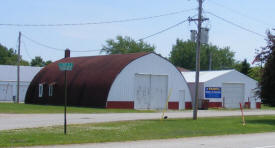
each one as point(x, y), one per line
point(16, 121)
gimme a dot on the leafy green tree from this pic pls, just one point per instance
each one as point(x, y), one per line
point(267, 85)
point(9, 57)
point(37, 61)
point(243, 67)
point(48, 62)
point(255, 73)
point(183, 54)
point(123, 45)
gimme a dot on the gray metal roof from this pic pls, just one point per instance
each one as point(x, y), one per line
point(9, 73)
point(204, 75)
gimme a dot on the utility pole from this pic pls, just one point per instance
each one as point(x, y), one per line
point(195, 109)
point(200, 19)
point(18, 68)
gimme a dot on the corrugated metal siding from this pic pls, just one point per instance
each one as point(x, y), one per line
point(88, 83)
point(9, 73)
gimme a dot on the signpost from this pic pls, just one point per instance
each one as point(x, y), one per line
point(65, 67)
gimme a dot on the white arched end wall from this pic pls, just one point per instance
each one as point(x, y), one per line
point(122, 89)
point(235, 77)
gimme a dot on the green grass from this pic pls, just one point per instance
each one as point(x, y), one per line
point(136, 130)
point(267, 107)
point(34, 109)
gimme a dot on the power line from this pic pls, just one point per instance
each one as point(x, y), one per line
point(26, 49)
point(236, 25)
point(242, 14)
point(171, 27)
point(41, 44)
point(97, 23)
point(54, 48)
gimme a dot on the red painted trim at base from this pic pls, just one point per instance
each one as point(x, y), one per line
point(214, 104)
point(173, 105)
point(247, 105)
point(258, 105)
point(188, 105)
point(120, 104)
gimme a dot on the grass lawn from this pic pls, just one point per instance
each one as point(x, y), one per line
point(34, 109)
point(267, 107)
point(136, 130)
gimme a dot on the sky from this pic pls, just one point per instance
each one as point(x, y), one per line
point(252, 15)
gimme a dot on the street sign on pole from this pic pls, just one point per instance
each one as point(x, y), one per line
point(65, 67)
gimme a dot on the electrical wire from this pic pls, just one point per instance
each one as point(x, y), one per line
point(41, 44)
point(171, 27)
point(241, 14)
point(236, 25)
point(53, 48)
point(97, 23)
point(26, 49)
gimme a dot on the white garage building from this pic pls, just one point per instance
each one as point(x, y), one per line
point(8, 81)
point(225, 88)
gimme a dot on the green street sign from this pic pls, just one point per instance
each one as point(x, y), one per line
point(65, 66)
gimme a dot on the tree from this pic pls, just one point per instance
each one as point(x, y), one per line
point(9, 57)
point(38, 61)
point(242, 67)
point(255, 73)
point(123, 45)
point(267, 84)
point(48, 62)
point(183, 54)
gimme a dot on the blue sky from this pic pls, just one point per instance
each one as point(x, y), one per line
point(255, 15)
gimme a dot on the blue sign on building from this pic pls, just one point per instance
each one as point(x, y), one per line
point(213, 92)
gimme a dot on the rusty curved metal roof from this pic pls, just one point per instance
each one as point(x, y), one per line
point(88, 83)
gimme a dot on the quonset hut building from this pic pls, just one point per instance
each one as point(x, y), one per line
point(132, 81)
point(8, 81)
point(224, 88)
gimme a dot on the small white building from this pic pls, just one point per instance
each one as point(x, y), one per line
point(8, 81)
point(224, 88)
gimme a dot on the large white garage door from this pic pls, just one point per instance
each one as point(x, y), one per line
point(6, 92)
point(150, 91)
point(233, 94)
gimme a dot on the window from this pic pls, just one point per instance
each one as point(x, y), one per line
point(50, 90)
point(40, 91)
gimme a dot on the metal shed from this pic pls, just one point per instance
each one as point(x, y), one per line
point(133, 81)
point(224, 88)
point(8, 81)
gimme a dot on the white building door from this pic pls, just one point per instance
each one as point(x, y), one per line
point(159, 88)
point(233, 94)
point(181, 99)
point(6, 92)
point(150, 91)
point(142, 91)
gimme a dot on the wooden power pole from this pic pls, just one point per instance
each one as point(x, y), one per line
point(196, 104)
point(18, 68)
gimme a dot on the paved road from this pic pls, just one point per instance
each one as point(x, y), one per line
point(263, 140)
point(15, 121)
